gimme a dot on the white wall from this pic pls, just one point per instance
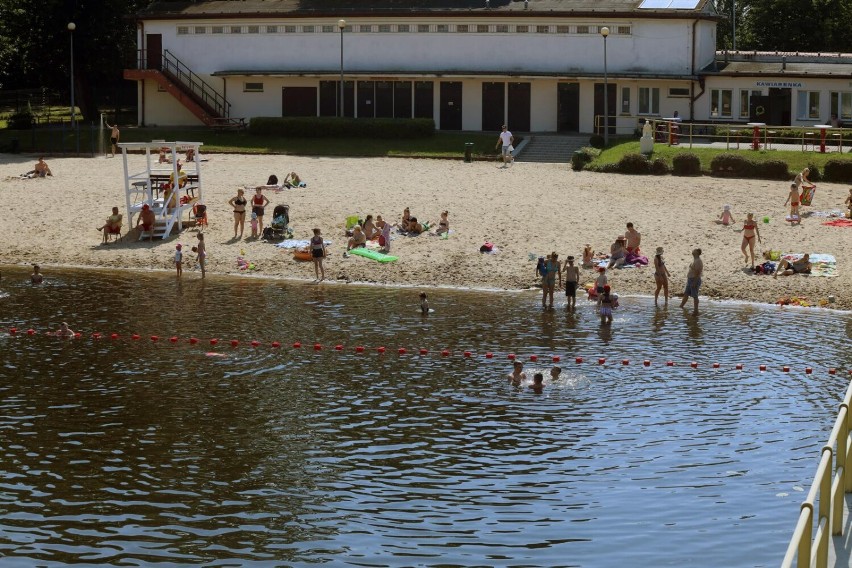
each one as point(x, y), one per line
point(162, 109)
point(543, 105)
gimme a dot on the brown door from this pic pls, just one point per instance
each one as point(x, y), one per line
point(154, 51)
point(519, 107)
point(299, 101)
point(493, 101)
point(451, 105)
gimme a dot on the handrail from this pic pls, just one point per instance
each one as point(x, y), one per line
point(732, 133)
point(205, 92)
point(809, 548)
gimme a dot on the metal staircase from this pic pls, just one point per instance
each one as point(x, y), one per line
point(198, 96)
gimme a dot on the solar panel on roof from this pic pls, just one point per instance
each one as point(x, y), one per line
point(654, 4)
point(669, 4)
point(683, 4)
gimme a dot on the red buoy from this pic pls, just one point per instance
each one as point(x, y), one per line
point(359, 349)
point(715, 365)
point(646, 362)
point(13, 330)
point(193, 340)
point(135, 336)
point(173, 339)
point(214, 341)
point(694, 365)
point(669, 363)
point(255, 342)
point(763, 367)
point(625, 361)
point(317, 347)
point(445, 353)
point(401, 351)
point(785, 368)
point(234, 343)
point(96, 335)
point(578, 360)
point(77, 335)
point(739, 366)
point(114, 336)
point(489, 355)
point(380, 349)
point(556, 358)
point(338, 347)
point(808, 370)
point(601, 361)
point(275, 344)
point(155, 338)
point(533, 358)
point(832, 371)
point(468, 354)
point(424, 351)
point(511, 356)
point(296, 345)
point(31, 331)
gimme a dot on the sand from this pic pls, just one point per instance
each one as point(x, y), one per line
point(528, 208)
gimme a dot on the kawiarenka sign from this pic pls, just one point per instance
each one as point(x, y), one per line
point(780, 84)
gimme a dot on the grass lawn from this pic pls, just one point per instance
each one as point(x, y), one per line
point(796, 160)
point(441, 145)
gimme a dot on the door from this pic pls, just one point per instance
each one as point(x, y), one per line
point(493, 104)
point(366, 99)
point(424, 99)
point(780, 107)
point(612, 96)
point(154, 51)
point(519, 107)
point(755, 104)
point(568, 107)
point(402, 99)
point(451, 105)
point(299, 101)
point(384, 99)
point(329, 95)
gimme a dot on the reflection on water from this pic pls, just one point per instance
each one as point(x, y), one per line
point(141, 452)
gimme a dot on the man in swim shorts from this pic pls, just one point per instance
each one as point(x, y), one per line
point(572, 280)
point(634, 237)
point(693, 280)
point(146, 221)
point(801, 266)
point(517, 375)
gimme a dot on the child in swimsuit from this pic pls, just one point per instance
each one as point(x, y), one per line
point(606, 305)
point(443, 224)
point(848, 203)
point(725, 217)
point(254, 225)
point(588, 256)
point(793, 200)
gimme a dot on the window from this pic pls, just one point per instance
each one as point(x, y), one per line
point(582, 29)
point(309, 29)
point(462, 28)
point(841, 105)
point(366, 28)
point(254, 29)
point(289, 29)
point(200, 29)
point(218, 30)
point(542, 29)
point(677, 92)
point(182, 30)
point(423, 28)
point(622, 30)
point(745, 102)
point(649, 100)
point(384, 28)
point(808, 105)
point(563, 29)
point(403, 28)
point(253, 88)
point(273, 29)
point(328, 29)
point(236, 29)
point(720, 103)
point(501, 28)
point(482, 29)
point(625, 100)
point(442, 28)
point(522, 29)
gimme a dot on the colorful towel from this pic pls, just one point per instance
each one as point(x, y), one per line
point(636, 259)
point(839, 223)
point(821, 264)
point(807, 195)
point(297, 243)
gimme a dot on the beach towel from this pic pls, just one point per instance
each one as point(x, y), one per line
point(635, 259)
point(839, 223)
point(821, 264)
point(807, 195)
point(603, 263)
point(826, 214)
point(297, 243)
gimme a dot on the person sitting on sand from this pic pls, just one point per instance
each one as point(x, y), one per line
point(146, 221)
point(190, 155)
point(406, 216)
point(726, 217)
point(358, 239)
point(787, 268)
point(64, 331)
point(369, 228)
point(414, 227)
point(380, 223)
point(36, 277)
point(112, 225)
point(617, 252)
point(293, 180)
point(165, 158)
point(634, 238)
point(793, 200)
point(588, 256)
point(41, 169)
point(848, 203)
point(443, 224)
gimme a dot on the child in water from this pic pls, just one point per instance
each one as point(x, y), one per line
point(424, 304)
point(537, 385)
point(64, 331)
point(725, 217)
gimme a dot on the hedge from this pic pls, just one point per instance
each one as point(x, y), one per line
point(686, 164)
point(732, 165)
point(582, 157)
point(333, 127)
point(838, 171)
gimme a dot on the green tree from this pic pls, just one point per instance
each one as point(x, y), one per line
point(797, 25)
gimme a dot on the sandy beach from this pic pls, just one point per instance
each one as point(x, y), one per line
point(528, 208)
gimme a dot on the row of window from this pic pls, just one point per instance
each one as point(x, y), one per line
point(807, 104)
point(580, 29)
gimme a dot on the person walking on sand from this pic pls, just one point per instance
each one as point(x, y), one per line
point(572, 280)
point(551, 271)
point(750, 231)
point(114, 135)
point(201, 251)
point(693, 280)
point(661, 276)
point(793, 200)
point(318, 253)
point(505, 141)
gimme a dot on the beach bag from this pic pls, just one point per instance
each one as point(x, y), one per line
point(486, 247)
point(382, 240)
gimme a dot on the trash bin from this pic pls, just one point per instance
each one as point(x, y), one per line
point(468, 152)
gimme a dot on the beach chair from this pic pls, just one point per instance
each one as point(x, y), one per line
point(113, 234)
point(199, 213)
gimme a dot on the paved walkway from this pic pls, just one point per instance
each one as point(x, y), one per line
point(746, 146)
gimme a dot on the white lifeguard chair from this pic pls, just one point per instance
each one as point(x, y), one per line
point(168, 190)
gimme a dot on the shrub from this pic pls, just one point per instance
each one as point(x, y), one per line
point(23, 120)
point(333, 127)
point(582, 157)
point(814, 174)
point(730, 165)
point(772, 169)
point(596, 141)
point(634, 164)
point(686, 164)
point(838, 171)
point(659, 167)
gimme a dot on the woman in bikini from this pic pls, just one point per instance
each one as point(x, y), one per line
point(548, 280)
point(369, 228)
point(258, 202)
point(443, 224)
point(239, 203)
point(661, 276)
point(750, 231)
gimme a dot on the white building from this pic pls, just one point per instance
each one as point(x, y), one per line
point(538, 65)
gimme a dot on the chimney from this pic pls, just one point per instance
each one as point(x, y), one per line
point(526, 4)
point(487, 4)
point(783, 63)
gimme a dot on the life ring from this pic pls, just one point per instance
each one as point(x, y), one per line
point(302, 254)
point(759, 110)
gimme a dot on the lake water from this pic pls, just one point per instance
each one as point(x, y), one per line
point(139, 453)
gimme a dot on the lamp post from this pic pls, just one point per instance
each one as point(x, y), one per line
point(71, 27)
point(341, 25)
point(605, 33)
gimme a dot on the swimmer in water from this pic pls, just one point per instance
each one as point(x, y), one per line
point(517, 375)
point(64, 331)
point(36, 277)
point(555, 372)
point(538, 383)
point(424, 304)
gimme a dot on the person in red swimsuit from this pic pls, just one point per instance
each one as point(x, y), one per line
point(258, 202)
point(793, 200)
point(750, 230)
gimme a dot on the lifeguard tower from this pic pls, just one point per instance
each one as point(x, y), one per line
point(169, 188)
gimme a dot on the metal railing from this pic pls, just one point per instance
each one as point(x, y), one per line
point(203, 91)
point(734, 134)
point(825, 501)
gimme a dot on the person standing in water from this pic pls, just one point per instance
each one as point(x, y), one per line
point(693, 280)
point(201, 250)
point(572, 280)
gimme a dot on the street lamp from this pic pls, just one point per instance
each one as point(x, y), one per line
point(605, 33)
point(341, 25)
point(71, 27)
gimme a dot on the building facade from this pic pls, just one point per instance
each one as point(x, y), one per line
point(538, 65)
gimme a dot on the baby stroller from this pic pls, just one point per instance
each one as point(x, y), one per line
point(279, 229)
